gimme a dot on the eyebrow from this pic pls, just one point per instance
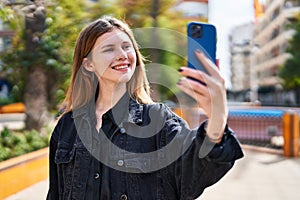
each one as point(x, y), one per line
point(112, 45)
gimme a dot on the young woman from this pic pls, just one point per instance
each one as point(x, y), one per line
point(114, 142)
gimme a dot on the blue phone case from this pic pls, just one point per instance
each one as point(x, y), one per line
point(201, 36)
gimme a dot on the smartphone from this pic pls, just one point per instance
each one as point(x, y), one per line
point(203, 37)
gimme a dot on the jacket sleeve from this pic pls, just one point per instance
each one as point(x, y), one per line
point(203, 163)
point(53, 175)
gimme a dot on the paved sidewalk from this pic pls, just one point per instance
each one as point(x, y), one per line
point(259, 176)
point(37, 191)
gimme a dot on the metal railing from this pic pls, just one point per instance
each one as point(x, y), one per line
point(272, 127)
point(257, 126)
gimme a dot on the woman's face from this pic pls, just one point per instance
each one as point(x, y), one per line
point(113, 58)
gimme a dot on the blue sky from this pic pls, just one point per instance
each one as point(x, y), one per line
point(225, 14)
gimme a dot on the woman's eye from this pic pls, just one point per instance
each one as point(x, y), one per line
point(108, 50)
point(127, 47)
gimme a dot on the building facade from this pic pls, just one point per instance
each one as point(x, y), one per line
point(267, 50)
point(272, 35)
point(240, 62)
point(193, 9)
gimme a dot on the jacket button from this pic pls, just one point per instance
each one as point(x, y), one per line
point(122, 130)
point(96, 176)
point(123, 197)
point(104, 116)
point(120, 163)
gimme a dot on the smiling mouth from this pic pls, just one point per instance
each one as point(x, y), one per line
point(119, 67)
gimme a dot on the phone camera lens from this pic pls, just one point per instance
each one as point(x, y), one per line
point(196, 31)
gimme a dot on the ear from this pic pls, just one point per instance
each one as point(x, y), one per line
point(87, 65)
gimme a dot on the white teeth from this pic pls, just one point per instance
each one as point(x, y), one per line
point(120, 67)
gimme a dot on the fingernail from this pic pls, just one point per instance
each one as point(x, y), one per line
point(198, 51)
point(179, 82)
point(180, 69)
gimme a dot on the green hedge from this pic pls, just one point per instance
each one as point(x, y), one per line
point(16, 143)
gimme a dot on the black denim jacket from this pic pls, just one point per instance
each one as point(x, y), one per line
point(132, 163)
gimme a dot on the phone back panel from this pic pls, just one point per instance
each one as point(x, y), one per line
point(201, 36)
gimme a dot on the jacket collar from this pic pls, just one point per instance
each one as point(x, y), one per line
point(135, 112)
point(126, 110)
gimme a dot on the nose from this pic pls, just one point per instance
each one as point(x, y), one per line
point(122, 55)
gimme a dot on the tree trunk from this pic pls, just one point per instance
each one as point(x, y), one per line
point(36, 98)
point(35, 94)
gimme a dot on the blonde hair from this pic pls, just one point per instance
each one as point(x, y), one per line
point(83, 84)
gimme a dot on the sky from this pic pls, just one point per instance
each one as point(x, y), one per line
point(225, 14)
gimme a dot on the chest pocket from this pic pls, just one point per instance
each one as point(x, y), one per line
point(72, 162)
point(64, 153)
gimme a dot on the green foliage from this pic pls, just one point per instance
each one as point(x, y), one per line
point(64, 23)
point(13, 144)
point(65, 19)
point(5, 101)
point(12, 59)
point(103, 7)
point(6, 14)
point(54, 52)
point(290, 71)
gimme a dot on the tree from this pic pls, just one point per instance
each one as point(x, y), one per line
point(290, 71)
point(41, 54)
point(46, 53)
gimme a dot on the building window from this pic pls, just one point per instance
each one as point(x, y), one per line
point(273, 71)
point(275, 33)
point(275, 13)
point(275, 52)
